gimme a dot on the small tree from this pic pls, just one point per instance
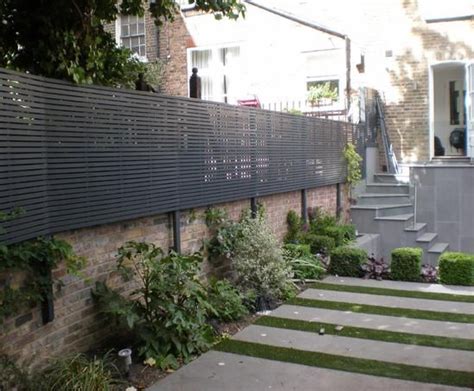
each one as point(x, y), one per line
point(66, 39)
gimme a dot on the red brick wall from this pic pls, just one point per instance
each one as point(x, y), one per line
point(77, 325)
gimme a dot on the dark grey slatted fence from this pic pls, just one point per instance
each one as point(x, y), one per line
point(77, 156)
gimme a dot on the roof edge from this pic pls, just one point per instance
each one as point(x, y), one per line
point(297, 19)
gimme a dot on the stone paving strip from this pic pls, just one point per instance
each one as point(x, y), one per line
point(378, 322)
point(401, 285)
point(388, 301)
point(360, 348)
point(219, 371)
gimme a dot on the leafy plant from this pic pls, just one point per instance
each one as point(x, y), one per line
point(321, 91)
point(81, 373)
point(375, 268)
point(12, 377)
point(67, 40)
point(304, 264)
point(258, 261)
point(167, 311)
point(319, 244)
point(226, 301)
point(456, 268)
point(347, 261)
point(153, 73)
point(353, 160)
point(35, 259)
point(429, 274)
point(319, 220)
point(294, 224)
point(406, 264)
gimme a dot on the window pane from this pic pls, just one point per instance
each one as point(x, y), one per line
point(141, 28)
point(135, 41)
point(142, 51)
point(132, 19)
point(124, 31)
point(201, 59)
point(133, 29)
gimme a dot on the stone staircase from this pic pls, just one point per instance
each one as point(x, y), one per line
point(386, 209)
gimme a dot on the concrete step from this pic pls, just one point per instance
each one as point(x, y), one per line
point(422, 356)
point(426, 240)
point(382, 199)
point(217, 371)
point(388, 301)
point(413, 231)
point(377, 322)
point(402, 285)
point(433, 253)
point(389, 178)
point(388, 188)
point(384, 210)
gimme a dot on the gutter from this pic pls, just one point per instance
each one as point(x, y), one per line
point(297, 19)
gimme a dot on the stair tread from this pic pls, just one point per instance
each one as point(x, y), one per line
point(401, 217)
point(417, 227)
point(388, 184)
point(380, 195)
point(438, 248)
point(377, 207)
point(427, 237)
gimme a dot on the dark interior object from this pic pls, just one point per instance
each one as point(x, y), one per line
point(457, 138)
point(438, 147)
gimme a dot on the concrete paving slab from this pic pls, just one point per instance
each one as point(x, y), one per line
point(218, 371)
point(378, 322)
point(402, 285)
point(360, 348)
point(389, 301)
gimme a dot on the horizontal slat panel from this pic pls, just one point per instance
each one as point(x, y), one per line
point(76, 156)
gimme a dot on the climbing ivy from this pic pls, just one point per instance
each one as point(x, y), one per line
point(353, 159)
point(32, 260)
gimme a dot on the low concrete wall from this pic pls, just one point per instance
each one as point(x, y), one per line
point(445, 200)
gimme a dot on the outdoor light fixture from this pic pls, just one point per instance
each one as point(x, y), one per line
point(126, 359)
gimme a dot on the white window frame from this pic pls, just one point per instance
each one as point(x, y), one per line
point(337, 105)
point(215, 55)
point(118, 36)
point(184, 5)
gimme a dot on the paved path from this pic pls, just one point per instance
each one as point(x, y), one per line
point(220, 371)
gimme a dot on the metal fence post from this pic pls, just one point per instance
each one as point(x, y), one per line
point(338, 200)
point(177, 231)
point(304, 206)
point(253, 207)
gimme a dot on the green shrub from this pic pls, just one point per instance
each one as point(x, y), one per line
point(347, 261)
point(319, 220)
point(337, 233)
point(167, 312)
point(406, 264)
point(80, 373)
point(456, 268)
point(294, 224)
point(226, 301)
point(319, 244)
point(304, 264)
point(258, 260)
point(14, 377)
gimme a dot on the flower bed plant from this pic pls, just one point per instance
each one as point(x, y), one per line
point(406, 264)
point(347, 261)
point(456, 268)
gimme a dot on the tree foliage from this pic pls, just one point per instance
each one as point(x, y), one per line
point(66, 39)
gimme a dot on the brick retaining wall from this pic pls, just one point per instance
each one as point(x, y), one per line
point(77, 325)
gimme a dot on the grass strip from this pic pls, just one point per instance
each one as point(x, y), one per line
point(349, 364)
point(363, 333)
point(387, 311)
point(393, 292)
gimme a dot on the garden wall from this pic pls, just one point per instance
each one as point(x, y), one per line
point(77, 325)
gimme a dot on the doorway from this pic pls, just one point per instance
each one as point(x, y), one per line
point(449, 114)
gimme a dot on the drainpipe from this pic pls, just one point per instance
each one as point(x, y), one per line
point(348, 71)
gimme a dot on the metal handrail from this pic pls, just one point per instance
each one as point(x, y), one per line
point(388, 147)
